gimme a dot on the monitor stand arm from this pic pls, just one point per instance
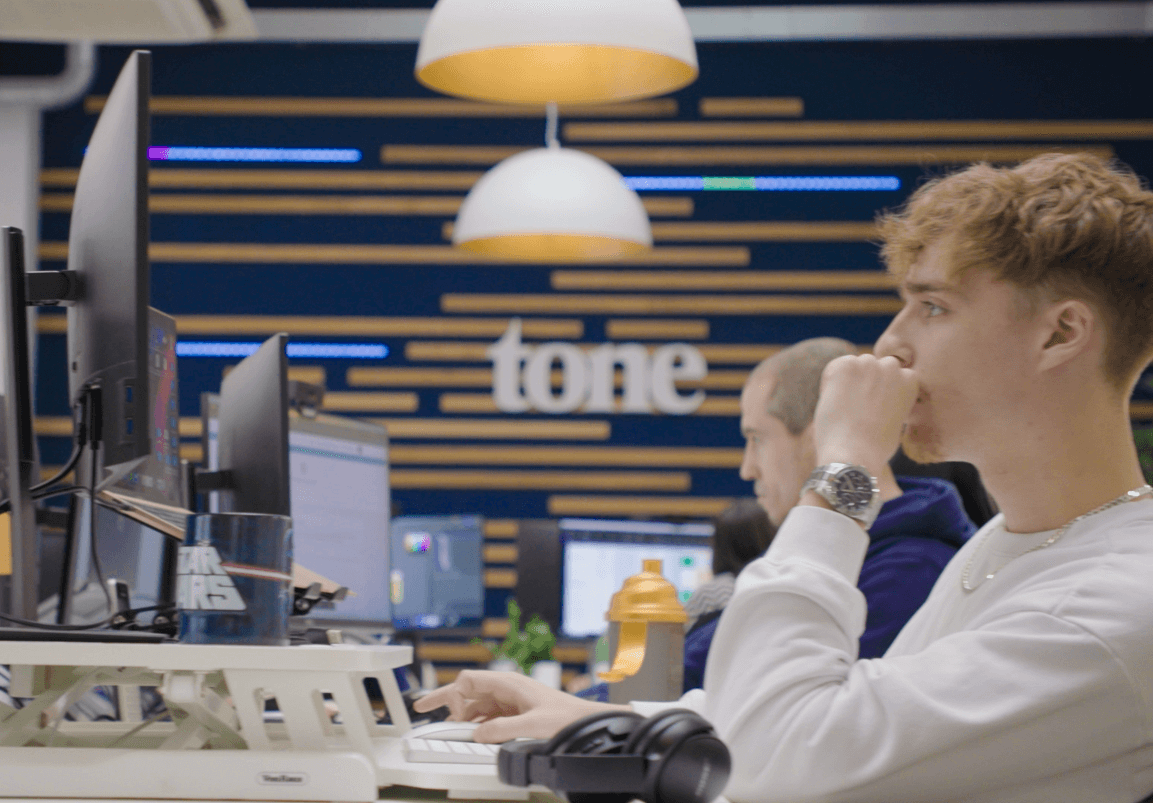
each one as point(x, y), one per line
point(47, 288)
point(213, 481)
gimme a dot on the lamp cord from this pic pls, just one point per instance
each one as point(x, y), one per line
point(551, 116)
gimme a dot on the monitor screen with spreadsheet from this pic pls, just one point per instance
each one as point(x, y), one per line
point(338, 477)
point(597, 556)
point(338, 471)
point(437, 577)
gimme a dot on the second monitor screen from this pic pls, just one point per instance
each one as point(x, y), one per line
point(340, 513)
point(436, 578)
point(598, 556)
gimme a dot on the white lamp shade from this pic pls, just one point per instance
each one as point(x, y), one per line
point(568, 51)
point(552, 205)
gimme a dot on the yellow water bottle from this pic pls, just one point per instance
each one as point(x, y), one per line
point(646, 639)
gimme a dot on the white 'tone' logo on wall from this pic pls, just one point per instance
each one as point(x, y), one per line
point(587, 378)
point(202, 584)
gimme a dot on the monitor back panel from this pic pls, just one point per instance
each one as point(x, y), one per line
point(253, 431)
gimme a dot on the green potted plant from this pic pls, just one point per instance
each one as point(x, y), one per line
point(527, 647)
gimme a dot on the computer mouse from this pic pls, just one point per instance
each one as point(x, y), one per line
point(445, 731)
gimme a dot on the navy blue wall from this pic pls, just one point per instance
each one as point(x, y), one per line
point(979, 80)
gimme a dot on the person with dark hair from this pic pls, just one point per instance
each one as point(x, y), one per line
point(741, 534)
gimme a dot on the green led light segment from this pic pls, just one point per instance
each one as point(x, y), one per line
point(730, 183)
point(686, 561)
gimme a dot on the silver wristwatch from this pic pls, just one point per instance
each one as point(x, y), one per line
point(849, 489)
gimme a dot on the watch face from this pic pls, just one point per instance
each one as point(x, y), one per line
point(854, 489)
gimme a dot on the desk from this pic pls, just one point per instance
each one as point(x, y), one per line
point(217, 746)
point(416, 796)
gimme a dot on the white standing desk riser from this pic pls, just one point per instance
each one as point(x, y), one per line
point(217, 745)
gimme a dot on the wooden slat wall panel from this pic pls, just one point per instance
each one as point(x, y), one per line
point(355, 326)
point(858, 130)
point(751, 107)
point(231, 106)
point(500, 528)
point(747, 155)
point(588, 304)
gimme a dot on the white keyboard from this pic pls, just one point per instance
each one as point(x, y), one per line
point(427, 751)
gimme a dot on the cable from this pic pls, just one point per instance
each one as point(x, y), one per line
point(45, 493)
point(49, 626)
point(127, 619)
point(80, 435)
point(87, 432)
point(73, 459)
point(94, 467)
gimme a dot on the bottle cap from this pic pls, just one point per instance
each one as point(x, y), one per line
point(647, 597)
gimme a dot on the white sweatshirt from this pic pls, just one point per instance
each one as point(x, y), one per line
point(1036, 686)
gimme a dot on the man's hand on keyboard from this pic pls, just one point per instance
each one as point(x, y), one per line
point(509, 705)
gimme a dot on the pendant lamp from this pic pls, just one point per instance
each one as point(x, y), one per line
point(569, 51)
point(552, 204)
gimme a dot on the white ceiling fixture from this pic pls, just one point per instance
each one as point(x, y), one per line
point(553, 204)
point(126, 21)
point(775, 23)
point(568, 51)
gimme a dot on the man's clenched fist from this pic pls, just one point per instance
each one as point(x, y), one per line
point(862, 409)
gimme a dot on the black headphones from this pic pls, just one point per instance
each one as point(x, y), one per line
point(673, 757)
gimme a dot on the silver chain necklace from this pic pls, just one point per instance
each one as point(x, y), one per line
point(1128, 496)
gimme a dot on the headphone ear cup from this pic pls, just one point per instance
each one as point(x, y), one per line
point(687, 763)
point(598, 734)
point(595, 734)
point(643, 736)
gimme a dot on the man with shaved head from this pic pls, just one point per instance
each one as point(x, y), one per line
point(921, 522)
point(920, 526)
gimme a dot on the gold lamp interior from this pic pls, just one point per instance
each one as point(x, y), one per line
point(565, 73)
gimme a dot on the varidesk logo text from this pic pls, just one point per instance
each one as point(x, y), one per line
point(283, 778)
point(522, 376)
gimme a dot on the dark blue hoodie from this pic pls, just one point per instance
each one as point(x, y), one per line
point(912, 539)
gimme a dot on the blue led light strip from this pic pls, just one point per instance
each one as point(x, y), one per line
point(765, 183)
point(172, 153)
point(335, 351)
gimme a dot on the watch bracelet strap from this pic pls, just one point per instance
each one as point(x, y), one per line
point(819, 482)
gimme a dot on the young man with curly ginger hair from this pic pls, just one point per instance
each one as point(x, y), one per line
point(1028, 673)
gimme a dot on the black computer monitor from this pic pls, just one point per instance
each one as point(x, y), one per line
point(338, 469)
point(538, 570)
point(437, 575)
point(597, 555)
point(338, 474)
point(252, 441)
point(108, 251)
point(18, 455)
